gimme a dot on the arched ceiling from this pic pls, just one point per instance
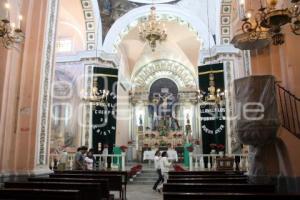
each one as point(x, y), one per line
point(181, 45)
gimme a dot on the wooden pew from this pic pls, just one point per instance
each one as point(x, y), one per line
point(124, 174)
point(87, 190)
point(114, 181)
point(208, 176)
point(208, 180)
point(229, 196)
point(38, 194)
point(183, 173)
point(103, 182)
point(221, 187)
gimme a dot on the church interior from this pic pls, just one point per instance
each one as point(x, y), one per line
point(149, 99)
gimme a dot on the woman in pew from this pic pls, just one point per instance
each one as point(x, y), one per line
point(158, 170)
point(165, 168)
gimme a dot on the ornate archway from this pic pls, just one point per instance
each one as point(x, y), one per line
point(180, 74)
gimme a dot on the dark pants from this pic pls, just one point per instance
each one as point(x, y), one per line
point(159, 180)
point(237, 160)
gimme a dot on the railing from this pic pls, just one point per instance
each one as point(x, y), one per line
point(209, 161)
point(289, 106)
point(101, 161)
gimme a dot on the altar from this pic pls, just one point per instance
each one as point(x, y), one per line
point(172, 155)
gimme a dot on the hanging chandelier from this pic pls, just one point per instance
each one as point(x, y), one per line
point(99, 97)
point(265, 27)
point(213, 95)
point(152, 30)
point(9, 33)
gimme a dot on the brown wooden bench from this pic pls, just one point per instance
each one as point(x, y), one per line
point(103, 182)
point(184, 173)
point(114, 181)
point(222, 187)
point(208, 176)
point(87, 190)
point(229, 196)
point(124, 175)
point(208, 180)
point(38, 194)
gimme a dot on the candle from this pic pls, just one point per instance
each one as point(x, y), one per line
point(20, 21)
point(7, 7)
point(13, 26)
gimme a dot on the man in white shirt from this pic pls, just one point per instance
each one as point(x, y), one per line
point(165, 168)
point(158, 170)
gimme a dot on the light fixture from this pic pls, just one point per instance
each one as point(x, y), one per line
point(214, 95)
point(152, 30)
point(98, 96)
point(9, 33)
point(265, 26)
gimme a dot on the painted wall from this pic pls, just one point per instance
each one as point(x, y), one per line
point(20, 87)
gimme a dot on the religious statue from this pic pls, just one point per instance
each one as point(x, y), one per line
point(164, 104)
point(140, 120)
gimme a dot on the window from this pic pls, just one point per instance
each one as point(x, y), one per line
point(64, 45)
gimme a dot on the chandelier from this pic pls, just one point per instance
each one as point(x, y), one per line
point(9, 33)
point(265, 26)
point(214, 95)
point(152, 30)
point(99, 97)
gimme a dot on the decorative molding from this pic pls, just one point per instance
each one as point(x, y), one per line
point(47, 72)
point(180, 74)
point(90, 56)
point(226, 9)
point(90, 24)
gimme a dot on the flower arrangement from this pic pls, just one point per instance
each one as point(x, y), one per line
point(163, 143)
point(217, 147)
point(220, 147)
point(123, 148)
point(190, 149)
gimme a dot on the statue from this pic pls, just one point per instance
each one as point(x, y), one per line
point(140, 121)
point(164, 104)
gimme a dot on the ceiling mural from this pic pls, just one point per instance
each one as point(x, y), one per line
point(112, 10)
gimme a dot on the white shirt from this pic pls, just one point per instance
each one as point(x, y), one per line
point(89, 163)
point(164, 165)
point(157, 162)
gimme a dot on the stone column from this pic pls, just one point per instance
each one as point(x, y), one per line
point(26, 90)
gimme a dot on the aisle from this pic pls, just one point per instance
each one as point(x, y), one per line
point(142, 192)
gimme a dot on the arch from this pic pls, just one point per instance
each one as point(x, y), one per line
point(177, 72)
point(122, 25)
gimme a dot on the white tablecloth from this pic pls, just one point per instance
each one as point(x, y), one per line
point(149, 155)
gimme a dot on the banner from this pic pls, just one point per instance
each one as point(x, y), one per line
point(213, 109)
point(104, 114)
